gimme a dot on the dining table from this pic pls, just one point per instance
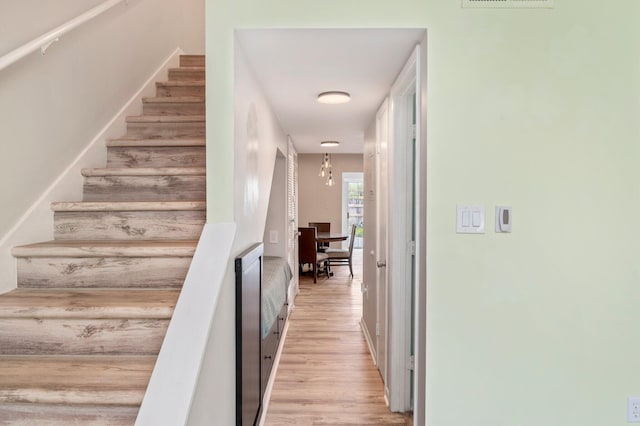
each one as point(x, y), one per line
point(330, 237)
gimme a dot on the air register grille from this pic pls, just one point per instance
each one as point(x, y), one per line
point(508, 4)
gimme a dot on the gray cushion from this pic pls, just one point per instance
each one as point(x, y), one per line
point(338, 254)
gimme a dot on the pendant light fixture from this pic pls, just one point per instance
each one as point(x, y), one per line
point(330, 180)
point(325, 169)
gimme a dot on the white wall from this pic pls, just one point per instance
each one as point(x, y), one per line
point(258, 136)
point(54, 105)
point(537, 109)
point(277, 217)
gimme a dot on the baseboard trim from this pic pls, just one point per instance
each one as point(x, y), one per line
point(367, 338)
point(36, 224)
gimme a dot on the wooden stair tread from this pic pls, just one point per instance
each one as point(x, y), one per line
point(174, 99)
point(88, 303)
point(122, 206)
point(151, 142)
point(166, 119)
point(118, 380)
point(145, 171)
point(104, 248)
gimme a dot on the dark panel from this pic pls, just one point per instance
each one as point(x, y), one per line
point(248, 268)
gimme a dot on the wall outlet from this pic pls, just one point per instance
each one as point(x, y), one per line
point(633, 409)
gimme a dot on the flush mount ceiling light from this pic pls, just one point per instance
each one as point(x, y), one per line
point(334, 97)
point(329, 143)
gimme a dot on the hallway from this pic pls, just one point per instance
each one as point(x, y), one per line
point(326, 375)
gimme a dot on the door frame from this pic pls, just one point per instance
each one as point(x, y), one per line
point(400, 250)
point(382, 242)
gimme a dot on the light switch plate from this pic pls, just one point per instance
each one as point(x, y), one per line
point(470, 219)
point(633, 409)
point(273, 237)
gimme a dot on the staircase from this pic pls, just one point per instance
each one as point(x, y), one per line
point(80, 335)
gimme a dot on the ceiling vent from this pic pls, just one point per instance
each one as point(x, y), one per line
point(508, 4)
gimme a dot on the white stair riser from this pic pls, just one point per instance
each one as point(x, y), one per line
point(143, 225)
point(102, 272)
point(144, 188)
point(166, 130)
point(36, 336)
point(190, 156)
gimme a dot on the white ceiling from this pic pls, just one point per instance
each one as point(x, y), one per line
point(294, 65)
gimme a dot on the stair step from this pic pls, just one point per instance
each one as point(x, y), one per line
point(172, 156)
point(187, 74)
point(84, 322)
point(81, 336)
point(192, 60)
point(174, 105)
point(128, 220)
point(30, 414)
point(166, 126)
point(144, 184)
point(88, 303)
point(101, 272)
point(53, 249)
point(151, 119)
point(81, 206)
point(143, 171)
point(99, 264)
point(165, 143)
point(92, 380)
point(180, 88)
point(137, 224)
point(145, 188)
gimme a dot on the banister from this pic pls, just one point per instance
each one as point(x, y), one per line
point(44, 41)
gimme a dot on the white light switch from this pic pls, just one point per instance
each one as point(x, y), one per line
point(476, 219)
point(273, 237)
point(465, 219)
point(470, 220)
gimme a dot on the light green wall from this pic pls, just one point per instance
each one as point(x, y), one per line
point(537, 109)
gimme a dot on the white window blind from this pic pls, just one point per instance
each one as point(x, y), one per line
point(292, 210)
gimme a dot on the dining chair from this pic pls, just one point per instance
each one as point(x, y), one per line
point(308, 251)
point(324, 227)
point(341, 256)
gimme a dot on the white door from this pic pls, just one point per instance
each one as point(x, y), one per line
point(382, 134)
point(401, 235)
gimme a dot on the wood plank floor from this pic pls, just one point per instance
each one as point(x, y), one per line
point(326, 375)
